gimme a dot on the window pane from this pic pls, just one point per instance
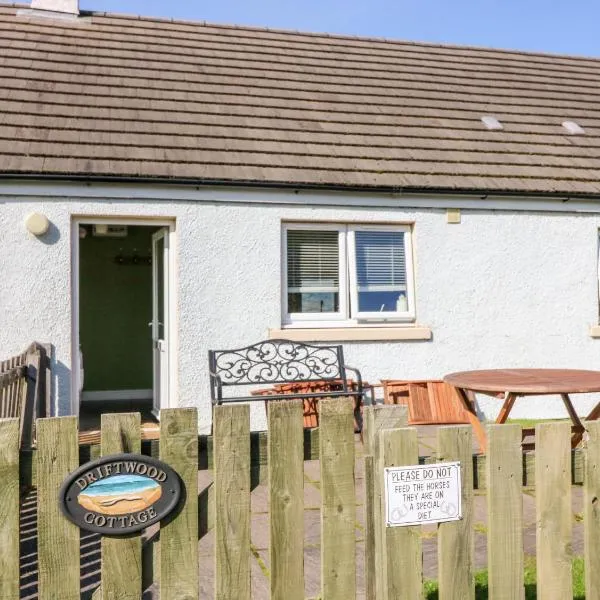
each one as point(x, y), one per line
point(312, 303)
point(313, 271)
point(381, 271)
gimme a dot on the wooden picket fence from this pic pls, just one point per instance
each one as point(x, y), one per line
point(393, 556)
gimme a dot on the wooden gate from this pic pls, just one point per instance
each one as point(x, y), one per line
point(393, 556)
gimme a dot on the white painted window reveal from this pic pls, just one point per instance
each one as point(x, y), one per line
point(335, 274)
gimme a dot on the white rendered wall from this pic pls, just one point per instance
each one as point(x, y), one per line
point(500, 289)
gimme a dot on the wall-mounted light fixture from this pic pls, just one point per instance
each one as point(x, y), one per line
point(37, 224)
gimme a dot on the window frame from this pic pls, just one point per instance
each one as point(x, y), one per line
point(348, 314)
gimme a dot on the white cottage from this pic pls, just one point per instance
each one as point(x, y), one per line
point(170, 187)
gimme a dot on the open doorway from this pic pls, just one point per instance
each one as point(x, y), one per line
point(122, 320)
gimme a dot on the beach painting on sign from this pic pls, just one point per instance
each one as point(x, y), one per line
point(120, 495)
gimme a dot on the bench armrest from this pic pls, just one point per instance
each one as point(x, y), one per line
point(359, 383)
point(216, 388)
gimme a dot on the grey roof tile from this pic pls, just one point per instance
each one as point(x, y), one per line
point(135, 97)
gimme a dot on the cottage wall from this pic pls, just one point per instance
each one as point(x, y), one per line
point(504, 288)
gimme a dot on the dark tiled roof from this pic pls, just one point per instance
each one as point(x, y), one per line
point(120, 96)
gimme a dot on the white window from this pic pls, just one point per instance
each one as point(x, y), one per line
point(351, 273)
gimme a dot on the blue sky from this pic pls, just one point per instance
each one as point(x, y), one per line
point(564, 26)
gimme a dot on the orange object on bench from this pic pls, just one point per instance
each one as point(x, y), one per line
point(430, 402)
point(311, 405)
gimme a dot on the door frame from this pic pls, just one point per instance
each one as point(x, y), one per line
point(170, 223)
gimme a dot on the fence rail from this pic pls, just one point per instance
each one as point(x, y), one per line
point(393, 556)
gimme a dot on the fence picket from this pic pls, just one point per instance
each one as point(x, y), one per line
point(286, 495)
point(9, 508)
point(338, 500)
point(371, 557)
point(591, 512)
point(553, 511)
point(179, 537)
point(376, 418)
point(58, 538)
point(403, 554)
point(232, 501)
point(505, 512)
point(455, 539)
point(121, 557)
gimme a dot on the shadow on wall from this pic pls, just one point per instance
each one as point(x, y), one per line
point(51, 237)
point(61, 389)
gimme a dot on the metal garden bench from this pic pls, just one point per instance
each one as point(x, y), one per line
point(282, 362)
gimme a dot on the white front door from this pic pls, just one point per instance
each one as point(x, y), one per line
point(160, 319)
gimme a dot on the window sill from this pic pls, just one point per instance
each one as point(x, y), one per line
point(595, 331)
point(348, 334)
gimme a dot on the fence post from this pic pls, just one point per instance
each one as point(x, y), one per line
point(58, 538)
point(591, 511)
point(376, 418)
point(403, 546)
point(286, 495)
point(179, 537)
point(455, 539)
point(338, 499)
point(231, 428)
point(121, 557)
point(9, 508)
point(504, 469)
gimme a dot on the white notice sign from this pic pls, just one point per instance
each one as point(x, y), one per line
point(421, 494)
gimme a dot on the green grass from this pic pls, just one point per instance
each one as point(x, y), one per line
point(533, 422)
point(481, 582)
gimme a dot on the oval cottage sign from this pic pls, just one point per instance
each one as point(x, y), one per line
point(120, 494)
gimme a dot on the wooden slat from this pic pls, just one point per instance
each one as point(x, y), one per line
point(370, 559)
point(24, 396)
point(121, 557)
point(430, 401)
point(11, 381)
point(418, 404)
point(9, 508)
point(179, 537)
point(455, 539)
point(338, 500)
point(377, 418)
point(591, 512)
point(58, 538)
point(404, 553)
point(448, 407)
point(553, 508)
point(286, 499)
point(505, 512)
point(232, 502)
point(30, 397)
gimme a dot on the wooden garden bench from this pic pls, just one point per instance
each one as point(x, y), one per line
point(25, 390)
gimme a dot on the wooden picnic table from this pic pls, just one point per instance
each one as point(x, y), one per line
point(510, 384)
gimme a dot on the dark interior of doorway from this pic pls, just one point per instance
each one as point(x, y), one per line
point(115, 309)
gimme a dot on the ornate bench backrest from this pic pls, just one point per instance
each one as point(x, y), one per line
point(274, 361)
